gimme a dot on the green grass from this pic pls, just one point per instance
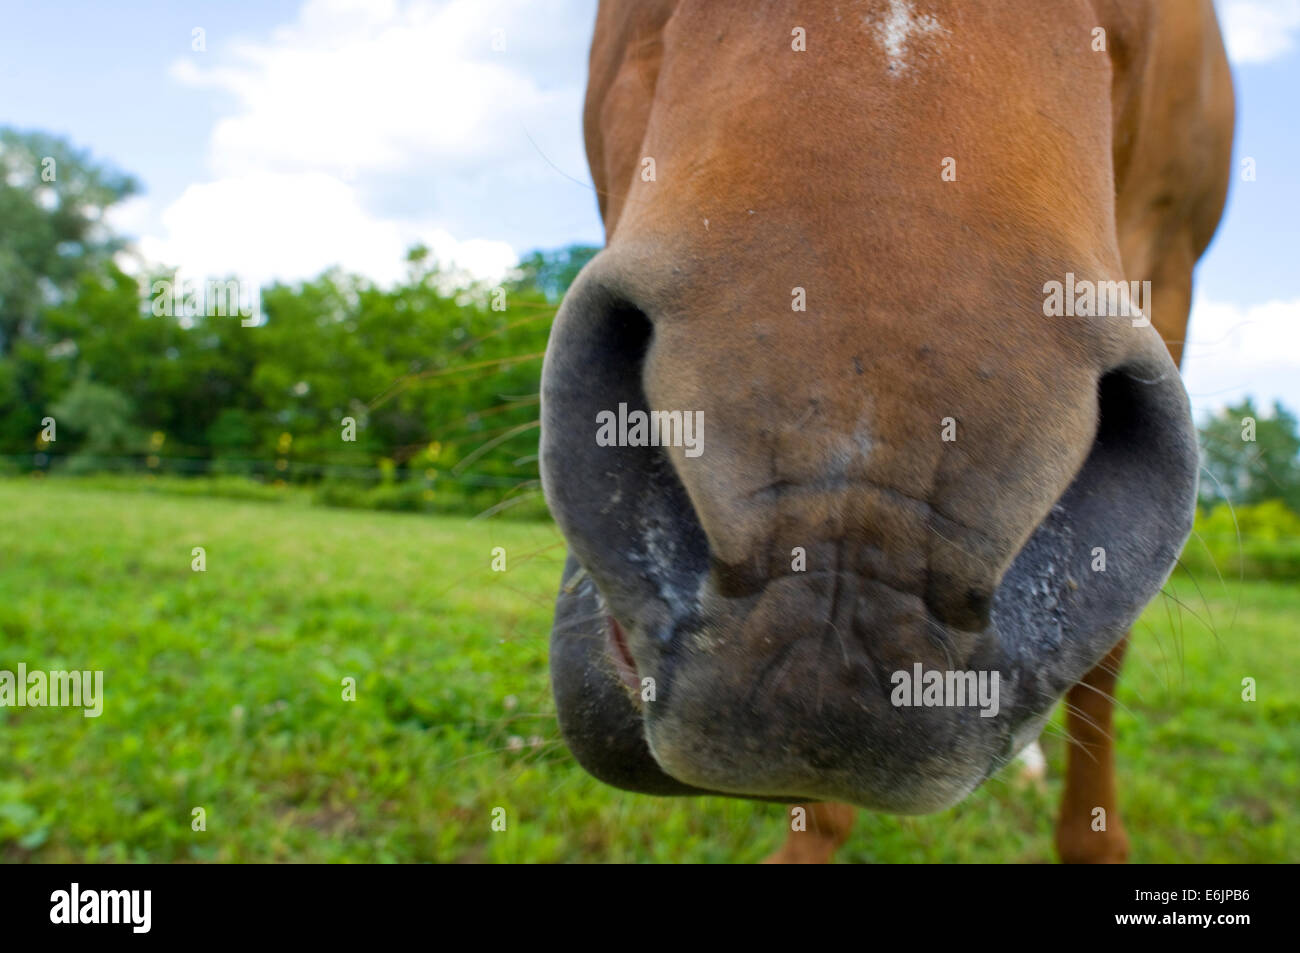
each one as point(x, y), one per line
point(224, 691)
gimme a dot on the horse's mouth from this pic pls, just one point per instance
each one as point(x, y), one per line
point(620, 656)
point(678, 671)
point(751, 694)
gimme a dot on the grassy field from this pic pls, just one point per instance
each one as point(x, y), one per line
point(224, 691)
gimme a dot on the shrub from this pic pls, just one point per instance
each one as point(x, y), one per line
point(1260, 541)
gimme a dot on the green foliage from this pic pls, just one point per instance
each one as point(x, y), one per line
point(233, 434)
point(428, 375)
point(420, 497)
point(223, 690)
point(425, 385)
point(437, 383)
point(1260, 541)
point(52, 201)
point(1244, 470)
point(1270, 521)
point(101, 415)
point(225, 487)
point(52, 241)
point(552, 272)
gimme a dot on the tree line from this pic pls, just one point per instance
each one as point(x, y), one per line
point(428, 382)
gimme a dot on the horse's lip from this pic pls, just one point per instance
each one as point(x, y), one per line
point(620, 655)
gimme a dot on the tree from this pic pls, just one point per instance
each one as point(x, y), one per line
point(551, 272)
point(101, 416)
point(52, 243)
point(52, 203)
point(430, 380)
point(1251, 458)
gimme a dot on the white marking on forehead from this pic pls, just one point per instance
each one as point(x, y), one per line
point(898, 26)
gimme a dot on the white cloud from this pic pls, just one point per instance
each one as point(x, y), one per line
point(356, 127)
point(375, 88)
point(1257, 31)
point(1234, 351)
point(266, 225)
point(130, 216)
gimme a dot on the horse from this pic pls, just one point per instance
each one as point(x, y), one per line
point(864, 429)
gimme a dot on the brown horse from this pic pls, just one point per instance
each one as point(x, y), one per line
point(878, 253)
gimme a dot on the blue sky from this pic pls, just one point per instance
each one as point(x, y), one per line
point(307, 133)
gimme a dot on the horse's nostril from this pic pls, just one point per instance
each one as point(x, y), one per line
point(622, 508)
point(1144, 435)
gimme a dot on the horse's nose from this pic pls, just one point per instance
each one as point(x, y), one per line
point(792, 472)
point(765, 592)
point(620, 504)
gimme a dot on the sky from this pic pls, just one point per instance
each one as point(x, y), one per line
point(276, 138)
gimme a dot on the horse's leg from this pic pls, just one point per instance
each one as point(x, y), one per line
point(1084, 835)
point(828, 829)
